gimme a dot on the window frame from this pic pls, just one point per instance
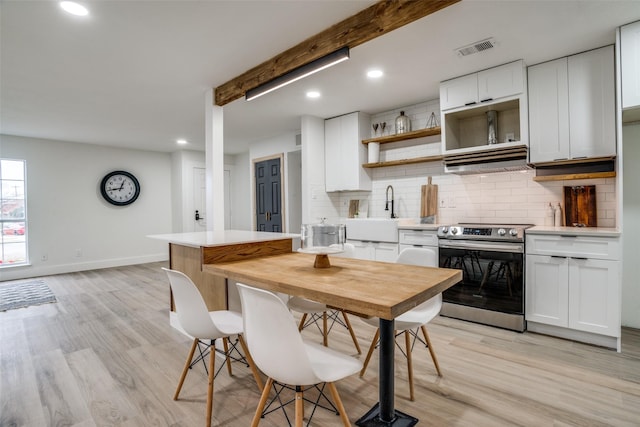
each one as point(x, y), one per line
point(7, 217)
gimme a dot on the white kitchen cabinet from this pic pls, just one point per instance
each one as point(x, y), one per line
point(465, 101)
point(572, 107)
point(594, 303)
point(375, 251)
point(484, 86)
point(573, 285)
point(418, 239)
point(548, 111)
point(630, 60)
point(547, 290)
point(345, 154)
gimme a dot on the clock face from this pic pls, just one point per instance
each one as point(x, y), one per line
point(120, 188)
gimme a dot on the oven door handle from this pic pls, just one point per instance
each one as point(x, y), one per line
point(495, 247)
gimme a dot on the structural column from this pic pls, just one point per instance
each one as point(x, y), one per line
point(214, 153)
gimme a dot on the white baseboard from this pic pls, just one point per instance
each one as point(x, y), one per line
point(572, 334)
point(27, 271)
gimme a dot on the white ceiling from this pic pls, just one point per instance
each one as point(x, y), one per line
point(135, 73)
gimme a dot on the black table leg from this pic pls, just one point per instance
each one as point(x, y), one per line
point(383, 414)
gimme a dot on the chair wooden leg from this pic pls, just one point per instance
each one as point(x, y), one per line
point(371, 348)
point(407, 341)
point(301, 325)
point(353, 335)
point(325, 332)
point(339, 405)
point(212, 367)
point(225, 344)
point(299, 407)
point(252, 364)
point(430, 347)
point(262, 403)
point(186, 368)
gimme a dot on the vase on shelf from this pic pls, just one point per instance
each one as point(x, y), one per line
point(403, 123)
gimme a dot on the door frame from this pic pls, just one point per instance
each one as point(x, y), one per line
point(283, 189)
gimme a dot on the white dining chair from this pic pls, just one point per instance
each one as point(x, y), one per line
point(313, 312)
point(280, 352)
point(204, 325)
point(413, 321)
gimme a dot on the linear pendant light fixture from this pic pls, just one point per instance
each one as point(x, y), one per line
point(299, 73)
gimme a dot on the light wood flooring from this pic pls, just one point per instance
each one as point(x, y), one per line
point(105, 355)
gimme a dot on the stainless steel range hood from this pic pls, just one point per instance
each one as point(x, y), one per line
point(494, 159)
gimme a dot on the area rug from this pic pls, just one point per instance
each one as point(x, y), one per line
point(24, 294)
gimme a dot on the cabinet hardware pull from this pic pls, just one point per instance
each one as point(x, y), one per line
point(487, 100)
point(579, 258)
point(568, 236)
point(558, 256)
point(561, 158)
point(581, 157)
point(470, 103)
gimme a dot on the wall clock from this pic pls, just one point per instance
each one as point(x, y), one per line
point(120, 188)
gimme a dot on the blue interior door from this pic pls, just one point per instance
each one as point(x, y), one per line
point(268, 196)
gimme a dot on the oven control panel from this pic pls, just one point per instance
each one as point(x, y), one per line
point(482, 232)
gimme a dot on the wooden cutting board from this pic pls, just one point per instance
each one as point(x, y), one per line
point(580, 206)
point(428, 199)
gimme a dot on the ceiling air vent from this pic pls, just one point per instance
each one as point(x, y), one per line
point(477, 47)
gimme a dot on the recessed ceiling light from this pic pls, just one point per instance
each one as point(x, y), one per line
point(374, 74)
point(181, 141)
point(74, 8)
point(313, 94)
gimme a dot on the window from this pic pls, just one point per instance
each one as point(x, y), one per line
point(13, 250)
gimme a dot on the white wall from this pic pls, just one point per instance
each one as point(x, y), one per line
point(631, 226)
point(241, 214)
point(294, 190)
point(67, 214)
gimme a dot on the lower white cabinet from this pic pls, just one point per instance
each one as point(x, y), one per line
point(375, 251)
point(568, 288)
point(419, 239)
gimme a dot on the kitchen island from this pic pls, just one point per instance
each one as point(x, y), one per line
point(188, 252)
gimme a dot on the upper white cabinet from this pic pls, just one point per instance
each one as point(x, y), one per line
point(630, 64)
point(572, 107)
point(484, 86)
point(465, 102)
point(344, 153)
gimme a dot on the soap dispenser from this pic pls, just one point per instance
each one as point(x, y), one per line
point(557, 218)
point(549, 215)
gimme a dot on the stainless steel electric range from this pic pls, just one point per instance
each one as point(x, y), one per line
point(491, 257)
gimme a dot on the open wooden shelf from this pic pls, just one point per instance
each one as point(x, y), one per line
point(403, 162)
point(570, 176)
point(421, 133)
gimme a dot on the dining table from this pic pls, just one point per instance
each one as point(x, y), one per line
point(362, 287)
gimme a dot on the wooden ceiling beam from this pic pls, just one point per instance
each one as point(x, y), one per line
point(376, 20)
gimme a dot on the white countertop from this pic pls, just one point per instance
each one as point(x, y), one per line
point(431, 227)
point(221, 238)
point(575, 231)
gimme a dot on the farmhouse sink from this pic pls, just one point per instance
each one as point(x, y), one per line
point(372, 229)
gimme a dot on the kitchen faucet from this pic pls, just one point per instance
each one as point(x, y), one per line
point(386, 205)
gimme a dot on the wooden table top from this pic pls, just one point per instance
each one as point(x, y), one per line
point(368, 288)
